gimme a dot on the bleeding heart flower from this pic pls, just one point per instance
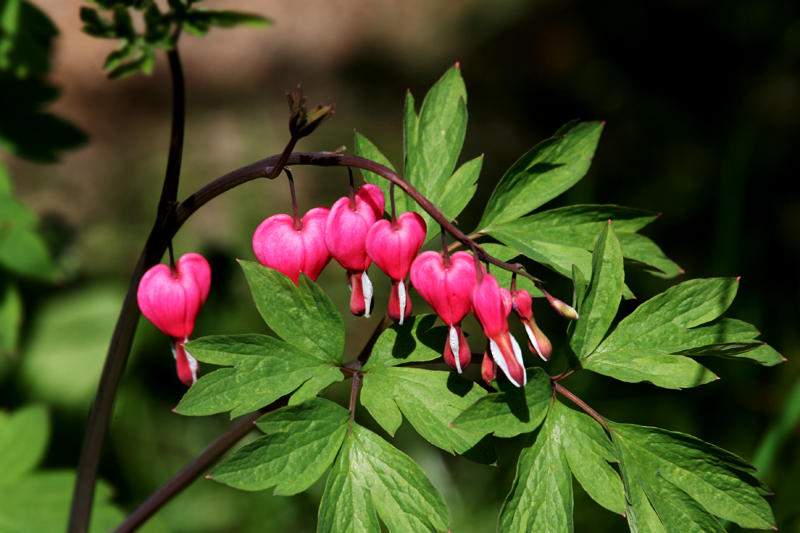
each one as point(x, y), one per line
point(277, 244)
point(171, 302)
point(447, 288)
point(538, 342)
point(490, 310)
point(488, 365)
point(393, 247)
point(346, 231)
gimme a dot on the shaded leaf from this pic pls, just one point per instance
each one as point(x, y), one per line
point(371, 475)
point(600, 304)
point(430, 400)
point(365, 148)
point(299, 444)
point(414, 342)
point(673, 468)
point(303, 316)
point(511, 412)
point(547, 170)
point(24, 435)
point(540, 500)
point(503, 277)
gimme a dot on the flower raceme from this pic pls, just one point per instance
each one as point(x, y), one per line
point(171, 301)
point(393, 247)
point(278, 244)
point(446, 288)
point(492, 311)
point(346, 231)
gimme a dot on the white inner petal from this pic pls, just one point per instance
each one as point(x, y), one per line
point(532, 338)
point(401, 292)
point(455, 347)
point(518, 355)
point(501, 362)
point(192, 365)
point(366, 287)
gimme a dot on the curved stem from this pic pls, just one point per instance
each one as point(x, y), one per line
point(122, 339)
point(298, 225)
point(580, 403)
point(189, 473)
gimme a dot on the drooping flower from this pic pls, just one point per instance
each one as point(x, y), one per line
point(346, 231)
point(171, 301)
point(278, 244)
point(488, 365)
point(492, 312)
point(446, 288)
point(393, 247)
point(538, 343)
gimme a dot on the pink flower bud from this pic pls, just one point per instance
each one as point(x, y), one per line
point(488, 308)
point(561, 308)
point(346, 235)
point(171, 303)
point(393, 250)
point(488, 366)
point(278, 245)
point(538, 342)
point(447, 291)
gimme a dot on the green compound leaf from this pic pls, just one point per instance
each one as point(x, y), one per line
point(457, 193)
point(653, 342)
point(430, 400)
point(371, 478)
point(265, 369)
point(206, 18)
point(303, 316)
point(547, 170)
point(299, 444)
point(600, 304)
point(415, 341)
point(676, 482)
point(540, 500)
point(433, 142)
point(512, 412)
point(589, 450)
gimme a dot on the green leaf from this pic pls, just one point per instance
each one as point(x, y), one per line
point(96, 25)
point(370, 477)
point(512, 412)
point(430, 400)
point(410, 134)
point(458, 191)
point(317, 384)
point(433, 142)
point(119, 55)
point(10, 317)
point(303, 316)
point(129, 68)
point(226, 19)
point(365, 148)
point(415, 341)
point(643, 251)
point(588, 452)
point(651, 344)
point(24, 435)
point(503, 277)
point(123, 24)
point(672, 469)
point(265, 370)
point(540, 500)
point(25, 253)
point(547, 170)
point(599, 306)
point(579, 288)
point(300, 443)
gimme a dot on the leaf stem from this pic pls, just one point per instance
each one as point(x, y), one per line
point(353, 396)
point(580, 403)
point(189, 473)
point(297, 224)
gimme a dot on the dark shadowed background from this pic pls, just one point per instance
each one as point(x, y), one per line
point(701, 100)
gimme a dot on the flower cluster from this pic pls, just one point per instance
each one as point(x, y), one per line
point(354, 233)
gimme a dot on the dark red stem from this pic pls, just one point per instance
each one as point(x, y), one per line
point(298, 225)
point(352, 190)
point(445, 252)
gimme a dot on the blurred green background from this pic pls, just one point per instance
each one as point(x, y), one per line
point(702, 103)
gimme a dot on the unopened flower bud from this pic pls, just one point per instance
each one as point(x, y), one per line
point(561, 308)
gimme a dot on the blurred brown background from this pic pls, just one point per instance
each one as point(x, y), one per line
point(701, 99)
